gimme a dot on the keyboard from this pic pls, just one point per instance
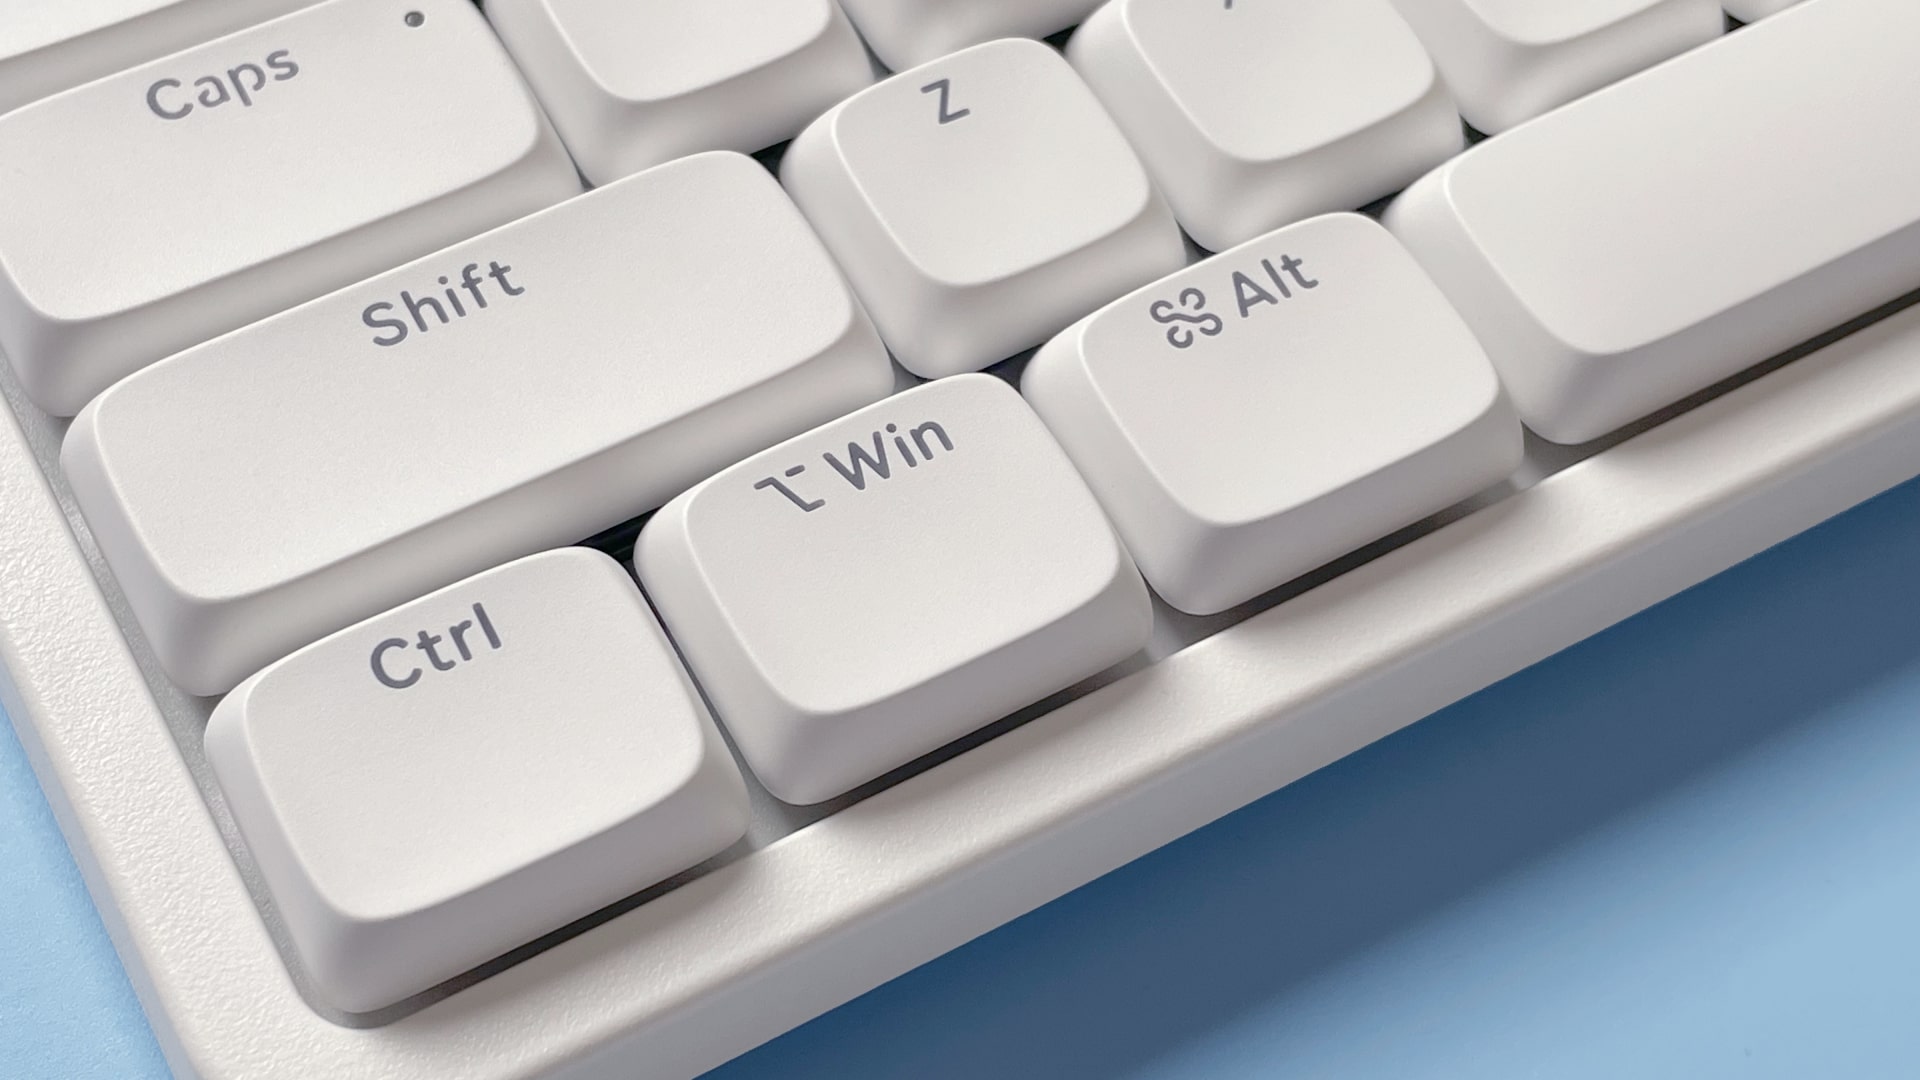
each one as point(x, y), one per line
point(571, 537)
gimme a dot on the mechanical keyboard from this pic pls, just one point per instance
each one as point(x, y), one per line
point(567, 538)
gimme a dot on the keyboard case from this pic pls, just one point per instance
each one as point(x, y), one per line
point(698, 974)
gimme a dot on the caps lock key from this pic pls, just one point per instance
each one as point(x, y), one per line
point(166, 205)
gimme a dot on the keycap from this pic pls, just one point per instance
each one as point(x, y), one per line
point(631, 85)
point(1616, 256)
point(46, 47)
point(1755, 10)
point(905, 33)
point(876, 588)
point(1275, 407)
point(980, 204)
point(525, 389)
point(432, 787)
point(1253, 115)
point(157, 208)
point(1508, 61)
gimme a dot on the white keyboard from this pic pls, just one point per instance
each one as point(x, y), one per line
point(498, 582)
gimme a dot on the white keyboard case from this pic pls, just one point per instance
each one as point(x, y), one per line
point(689, 979)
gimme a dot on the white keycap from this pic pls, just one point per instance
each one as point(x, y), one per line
point(632, 84)
point(1508, 61)
point(980, 204)
point(593, 361)
point(49, 45)
point(1253, 115)
point(437, 785)
point(882, 585)
point(904, 33)
point(1273, 408)
point(1618, 255)
point(159, 207)
point(1755, 10)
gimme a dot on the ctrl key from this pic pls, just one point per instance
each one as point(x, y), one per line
point(437, 785)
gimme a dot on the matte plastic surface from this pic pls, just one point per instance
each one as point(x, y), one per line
point(100, 278)
point(684, 982)
point(1711, 880)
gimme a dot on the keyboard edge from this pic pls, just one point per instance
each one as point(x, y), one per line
point(1257, 706)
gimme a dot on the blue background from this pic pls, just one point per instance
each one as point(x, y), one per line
point(1689, 847)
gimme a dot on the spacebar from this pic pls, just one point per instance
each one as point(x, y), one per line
point(1646, 242)
point(516, 392)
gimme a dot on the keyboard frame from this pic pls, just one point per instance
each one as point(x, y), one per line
point(712, 968)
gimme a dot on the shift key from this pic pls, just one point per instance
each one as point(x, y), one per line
point(525, 389)
point(154, 209)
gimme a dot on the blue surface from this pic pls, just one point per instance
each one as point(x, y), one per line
point(1689, 847)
